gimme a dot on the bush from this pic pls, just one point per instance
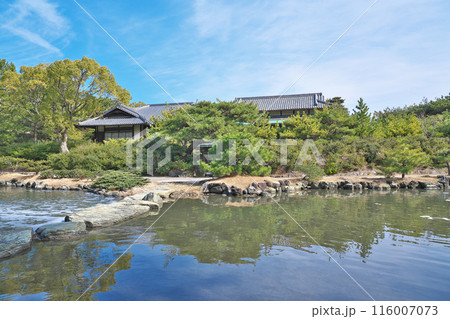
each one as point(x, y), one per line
point(117, 180)
point(110, 155)
point(21, 164)
point(31, 151)
point(312, 172)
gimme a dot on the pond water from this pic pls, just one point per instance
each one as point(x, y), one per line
point(395, 245)
point(26, 207)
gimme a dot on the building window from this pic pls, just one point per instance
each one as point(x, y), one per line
point(114, 133)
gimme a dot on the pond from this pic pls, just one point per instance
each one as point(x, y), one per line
point(395, 246)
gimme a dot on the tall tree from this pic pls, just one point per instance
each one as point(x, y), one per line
point(362, 116)
point(7, 128)
point(27, 94)
point(78, 90)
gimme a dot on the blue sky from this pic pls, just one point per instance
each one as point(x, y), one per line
point(398, 53)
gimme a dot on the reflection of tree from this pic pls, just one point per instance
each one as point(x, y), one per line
point(62, 270)
point(339, 222)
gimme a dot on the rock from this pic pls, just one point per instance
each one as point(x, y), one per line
point(14, 241)
point(357, 186)
point(363, 184)
point(369, 185)
point(175, 173)
point(154, 197)
point(19, 184)
point(332, 185)
point(271, 190)
point(323, 185)
point(287, 182)
point(444, 181)
point(63, 188)
point(40, 186)
point(265, 194)
point(429, 185)
point(382, 187)
point(314, 185)
point(262, 186)
point(413, 185)
point(403, 185)
point(291, 189)
point(251, 190)
point(28, 185)
point(58, 231)
point(216, 188)
point(394, 185)
point(209, 174)
point(235, 191)
point(281, 183)
point(268, 183)
point(14, 180)
point(348, 186)
point(102, 215)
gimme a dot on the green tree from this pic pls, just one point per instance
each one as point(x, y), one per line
point(362, 116)
point(8, 129)
point(78, 90)
point(213, 120)
point(403, 159)
point(27, 96)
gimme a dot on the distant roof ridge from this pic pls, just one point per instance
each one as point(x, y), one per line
point(279, 95)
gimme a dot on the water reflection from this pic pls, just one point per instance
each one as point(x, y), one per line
point(348, 226)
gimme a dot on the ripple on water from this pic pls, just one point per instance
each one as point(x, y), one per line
point(21, 207)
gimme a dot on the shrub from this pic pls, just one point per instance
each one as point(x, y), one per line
point(403, 159)
point(21, 164)
point(110, 155)
point(31, 151)
point(312, 172)
point(118, 179)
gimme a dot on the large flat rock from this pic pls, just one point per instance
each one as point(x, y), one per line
point(58, 231)
point(103, 215)
point(13, 241)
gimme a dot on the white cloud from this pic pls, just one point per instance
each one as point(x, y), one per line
point(36, 21)
point(395, 55)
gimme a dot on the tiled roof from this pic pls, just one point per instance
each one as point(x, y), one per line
point(137, 115)
point(142, 114)
point(286, 102)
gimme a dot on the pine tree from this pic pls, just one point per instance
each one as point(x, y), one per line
point(362, 118)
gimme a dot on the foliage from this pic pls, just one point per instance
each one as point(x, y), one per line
point(21, 164)
point(312, 172)
point(51, 98)
point(403, 159)
point(111, 155)
point(362, 119)
point(30, 150)
point(118, 180)
point(214, 120)
point(241, 158)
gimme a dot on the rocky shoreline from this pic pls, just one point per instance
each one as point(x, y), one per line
point(270, 188)
point(80, 187)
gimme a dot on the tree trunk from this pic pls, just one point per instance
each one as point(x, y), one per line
point(403, 175)
point(448, 168)
point(63, 142)
point(35, 134)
